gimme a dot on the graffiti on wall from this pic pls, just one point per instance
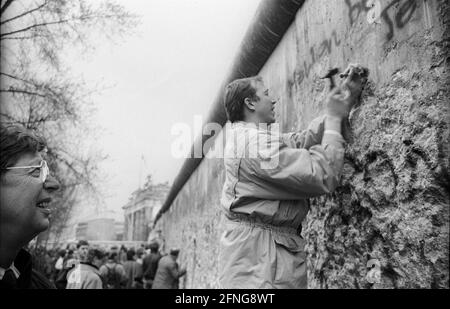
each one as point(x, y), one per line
point(374, 13)
point(316, 52)
point(396, 14)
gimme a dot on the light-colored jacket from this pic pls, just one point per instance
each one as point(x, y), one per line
point(265, 201)
point(84, 276)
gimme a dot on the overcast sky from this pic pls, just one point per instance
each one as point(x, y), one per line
point(167, 73)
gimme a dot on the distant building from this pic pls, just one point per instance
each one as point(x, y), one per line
point(141, 209)
point(119, 227)
point(97, 229)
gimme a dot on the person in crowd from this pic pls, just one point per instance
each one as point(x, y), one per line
point(168, 272)
point(74, 258)
point(70, 259)
point(150, 264)
point(86, 274)
point(115, 249)
point(147, 249)
point(59, 264)
point(113, 273)
point(122, 254)
point(140, 254)
point(26, 192)
point(157, 236)
point(269, 177)
point(82, 250)
point(133, 270)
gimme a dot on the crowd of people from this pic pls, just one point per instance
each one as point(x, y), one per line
point(90, 267)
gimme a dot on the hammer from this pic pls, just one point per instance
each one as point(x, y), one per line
point(345, 127)
point(330, 74)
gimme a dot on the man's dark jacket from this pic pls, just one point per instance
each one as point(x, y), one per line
point(167, 274)
point(29, 278)
point(150, 265)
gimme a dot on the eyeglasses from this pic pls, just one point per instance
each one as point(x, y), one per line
point(43, 170)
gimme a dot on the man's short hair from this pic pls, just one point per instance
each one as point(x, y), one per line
point(154, 246)
point(62, 253)
point(112, 256)
point(82, 243)
point(140, 252)
point(16, 140)
point(95, 253)
point(174, 251)
point(235, 94)
point(130, 254)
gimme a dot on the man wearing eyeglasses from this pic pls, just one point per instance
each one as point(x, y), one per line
point(26, 189)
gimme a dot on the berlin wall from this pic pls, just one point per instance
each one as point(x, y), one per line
point(392, 206)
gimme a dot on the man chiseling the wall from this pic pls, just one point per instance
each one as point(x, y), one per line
point(270, 176)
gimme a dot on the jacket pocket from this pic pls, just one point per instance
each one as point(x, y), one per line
point(290, 268)
point(292, 243)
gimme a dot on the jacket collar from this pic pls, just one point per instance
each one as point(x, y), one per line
point(21, 267)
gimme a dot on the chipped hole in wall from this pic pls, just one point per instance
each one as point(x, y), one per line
point(408, 142)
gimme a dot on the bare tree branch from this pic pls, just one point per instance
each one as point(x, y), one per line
point(23, 37)
point(7, 116)
point(76, 172)
point(40, 92)
point(5, 6)
point(24, 14)
point(35, 26)
point(12, 90)
point(30, 114)
point(16, 78)
point(56, 22)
